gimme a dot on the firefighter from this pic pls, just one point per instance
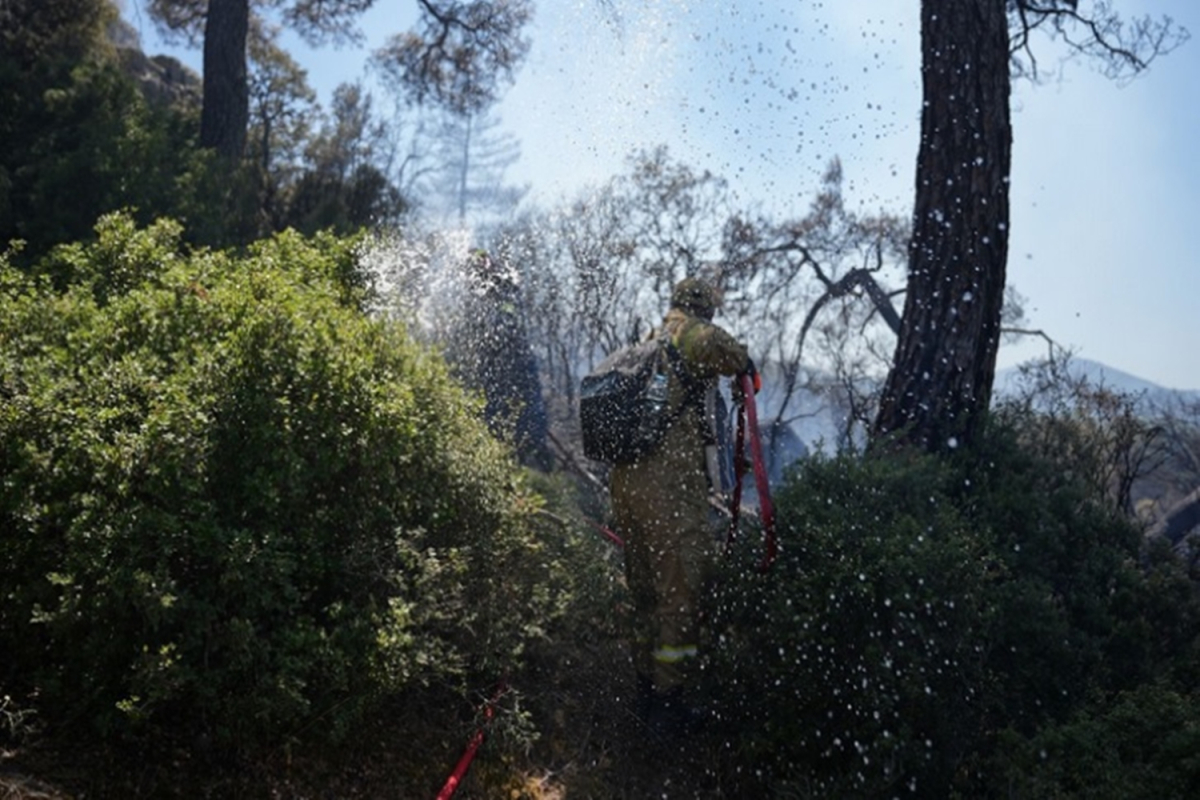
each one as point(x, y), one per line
point(660, 505)
point(495, 357)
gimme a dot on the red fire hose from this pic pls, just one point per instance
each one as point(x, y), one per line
point(607, 533)
point(464, 763)
point(747, 427)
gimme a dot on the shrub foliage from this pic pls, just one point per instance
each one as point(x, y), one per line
point(233, 504)
point(933, 624)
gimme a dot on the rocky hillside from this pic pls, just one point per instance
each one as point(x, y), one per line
point(164, 80)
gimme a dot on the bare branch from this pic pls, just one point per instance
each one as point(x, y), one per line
point(1054, 347)
point(462, 53)
point(1123, 49)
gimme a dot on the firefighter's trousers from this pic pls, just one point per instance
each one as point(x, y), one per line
point(661, 510)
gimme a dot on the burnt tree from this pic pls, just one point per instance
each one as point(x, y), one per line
point(226, 110)
point(940, 383)
point(459, 56)
point(945, 359)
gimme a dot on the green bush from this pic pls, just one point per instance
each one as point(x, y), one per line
point(1068, 620)
point(923, 610)
point(81, 139)
point(853, 668)
point(83, 142)
point(1141, 744)
point(233, 505)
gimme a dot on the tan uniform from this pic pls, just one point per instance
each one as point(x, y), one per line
point(661, 508)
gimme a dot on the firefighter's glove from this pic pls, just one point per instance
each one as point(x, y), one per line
point(755, 380)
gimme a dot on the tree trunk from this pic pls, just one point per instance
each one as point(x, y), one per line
point(941, 378)
point(226, 110)
point(465, 170)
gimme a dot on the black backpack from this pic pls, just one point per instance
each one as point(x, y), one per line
point(623, 406)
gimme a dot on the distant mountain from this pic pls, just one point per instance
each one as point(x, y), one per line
point(818, 421)
point(1165, 498)
point(1150, 395)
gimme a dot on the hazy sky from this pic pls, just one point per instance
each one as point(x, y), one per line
point(1106, 177)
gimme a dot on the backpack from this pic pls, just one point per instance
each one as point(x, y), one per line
point(623, 408)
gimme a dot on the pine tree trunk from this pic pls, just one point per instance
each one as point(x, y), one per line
point(940, 383)
point(226, 110)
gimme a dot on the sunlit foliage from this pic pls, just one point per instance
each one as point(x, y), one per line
point(234, 504)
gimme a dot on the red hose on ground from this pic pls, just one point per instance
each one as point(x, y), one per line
point(464, 763)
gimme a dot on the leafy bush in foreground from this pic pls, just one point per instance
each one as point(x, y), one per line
point(931, 622)
point(854, 667)
point(1142, 744)
point(231, 504)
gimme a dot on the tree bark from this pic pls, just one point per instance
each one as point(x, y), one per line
point(226, 110)
point(940, 383)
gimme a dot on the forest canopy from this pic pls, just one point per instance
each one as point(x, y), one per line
point(292, 500)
